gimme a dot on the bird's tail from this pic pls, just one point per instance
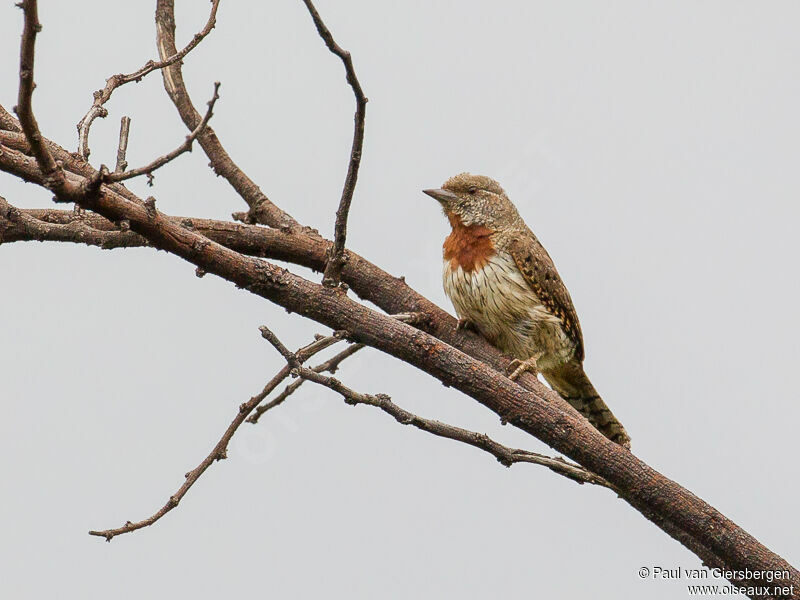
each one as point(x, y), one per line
point(572, 384)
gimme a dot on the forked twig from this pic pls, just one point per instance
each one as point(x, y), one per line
point(329, 365)
point(102, 96)
point(120, 175)
point(219, 451)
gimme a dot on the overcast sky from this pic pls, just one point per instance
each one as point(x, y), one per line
point(652, 147)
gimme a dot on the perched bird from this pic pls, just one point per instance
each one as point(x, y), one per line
point(503, 283)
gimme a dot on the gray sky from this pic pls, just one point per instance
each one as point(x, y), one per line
point(653, 149)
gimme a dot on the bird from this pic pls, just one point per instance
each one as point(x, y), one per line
point(503, 284)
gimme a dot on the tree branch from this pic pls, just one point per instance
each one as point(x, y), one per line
point(67, 226)
point(337, 258)
point(102, 96)
point(543, 414)
point(505, 456)
point(219, 451)
point(8, 122)
point(295, 361)
point(262, 210)
point(540, 412)
point(118, 174)
point(54, 178)
point(122, 148)
point(329, 365)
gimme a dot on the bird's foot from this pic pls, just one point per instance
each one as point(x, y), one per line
point(464, 324)
point(518, 367)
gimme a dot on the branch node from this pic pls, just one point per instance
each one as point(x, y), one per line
point(150, 207)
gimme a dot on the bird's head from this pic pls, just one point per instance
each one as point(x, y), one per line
point(475, 200)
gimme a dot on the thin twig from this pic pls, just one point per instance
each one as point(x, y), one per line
point(102, 96)
point(330, 365)
point(186, 146)
point(337, 257)
point(219, 452)
point(505, 455)
point(122, 148)
point(53, 173)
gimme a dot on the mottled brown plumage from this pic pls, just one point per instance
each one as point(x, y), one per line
point(502, 280)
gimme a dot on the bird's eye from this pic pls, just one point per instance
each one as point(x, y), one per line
point(472, 191)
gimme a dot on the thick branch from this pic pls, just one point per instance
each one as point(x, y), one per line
point(715, 539)
point(8, 122)
point(27, 225)
point(543, 414)
point(718, 541)
point(337, 258)
point(102, 96)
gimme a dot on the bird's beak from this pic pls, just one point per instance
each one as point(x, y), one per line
point(442, 196)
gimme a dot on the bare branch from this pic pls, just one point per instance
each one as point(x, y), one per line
point(186, 146)
point(504, 455)
point(8, 122)
point(290, 356)
point(54, 177)
point(526, 404)
point(337, 258)
point(262, 210)
point(122, 149)
point(23, 225)
point(329, 365)
point(102, 96)
point(219, 452)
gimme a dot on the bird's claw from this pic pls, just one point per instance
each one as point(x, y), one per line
point(517, 367)
point(464, 324)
